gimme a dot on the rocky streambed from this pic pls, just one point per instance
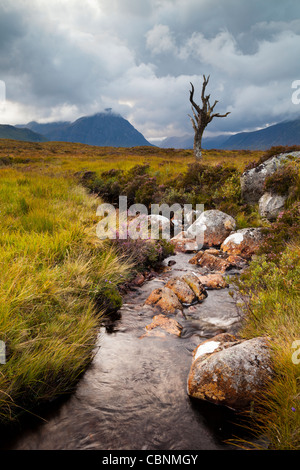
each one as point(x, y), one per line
point(134, 396)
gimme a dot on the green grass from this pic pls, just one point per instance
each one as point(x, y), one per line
point(52, 269)
point(272, 304)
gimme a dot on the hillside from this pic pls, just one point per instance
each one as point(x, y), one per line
point(101, 129)
point(11, 132)
point(285, 133)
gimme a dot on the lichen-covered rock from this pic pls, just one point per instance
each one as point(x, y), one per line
point(270, 205)
point(244, 242)
point(196, 257)
point(165, 299)
point(184, 293)
point(212, 227)
point(195, 284)
point(229, 371)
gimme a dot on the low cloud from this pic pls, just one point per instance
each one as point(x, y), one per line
point(63, 59)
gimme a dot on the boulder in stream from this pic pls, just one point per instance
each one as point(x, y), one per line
point(165, 299)
point(213, 281)
point(211, 262)
point(162, 322)
point(230, 372)
point(184, 293)
point(196, 285)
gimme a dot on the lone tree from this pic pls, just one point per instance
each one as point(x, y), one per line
point(202, 117)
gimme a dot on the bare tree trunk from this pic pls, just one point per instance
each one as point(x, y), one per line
point(202, 117)
point(198, 146)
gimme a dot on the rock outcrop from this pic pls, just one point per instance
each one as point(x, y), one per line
point(213, 281)
point(183, 243)
point(252, 181)
point(229, 371)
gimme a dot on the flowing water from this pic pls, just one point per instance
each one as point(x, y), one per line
point(133, 396)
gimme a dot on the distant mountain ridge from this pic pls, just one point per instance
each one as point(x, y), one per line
point(27, 135)
point(101, 129)
point(283, 133)
point(187, 142)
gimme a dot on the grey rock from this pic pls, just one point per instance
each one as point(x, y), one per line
point(212, 227)
point(270, 205)
point(252, 181)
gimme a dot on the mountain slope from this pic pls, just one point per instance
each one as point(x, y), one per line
point(14, 133)
point(283, 133)
point(102, 129)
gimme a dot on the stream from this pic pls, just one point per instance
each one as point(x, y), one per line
point(134, 396)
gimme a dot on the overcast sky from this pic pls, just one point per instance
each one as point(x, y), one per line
point(62, 59)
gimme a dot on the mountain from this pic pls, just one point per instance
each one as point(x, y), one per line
point(101, 129)
point(12, 132)
point(283, 133)
point(187, 142)
point(45, 129)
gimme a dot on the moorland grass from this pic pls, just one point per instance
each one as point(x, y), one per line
point(53, 269)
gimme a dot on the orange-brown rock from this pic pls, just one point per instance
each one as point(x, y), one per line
point(165, 299)
point(161, 322)
point(195, 284)
point(184, 293)
point(139, 280)
point(213, 281)
point(213, 251)
point(184, 244)
point(196, 257)
point(212, 262)
point(229, 371)
point(244, 242)
point(236, 261)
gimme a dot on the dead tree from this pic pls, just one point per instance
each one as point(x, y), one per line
point(202, 117)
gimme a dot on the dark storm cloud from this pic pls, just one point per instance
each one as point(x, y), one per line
point(65, 58)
